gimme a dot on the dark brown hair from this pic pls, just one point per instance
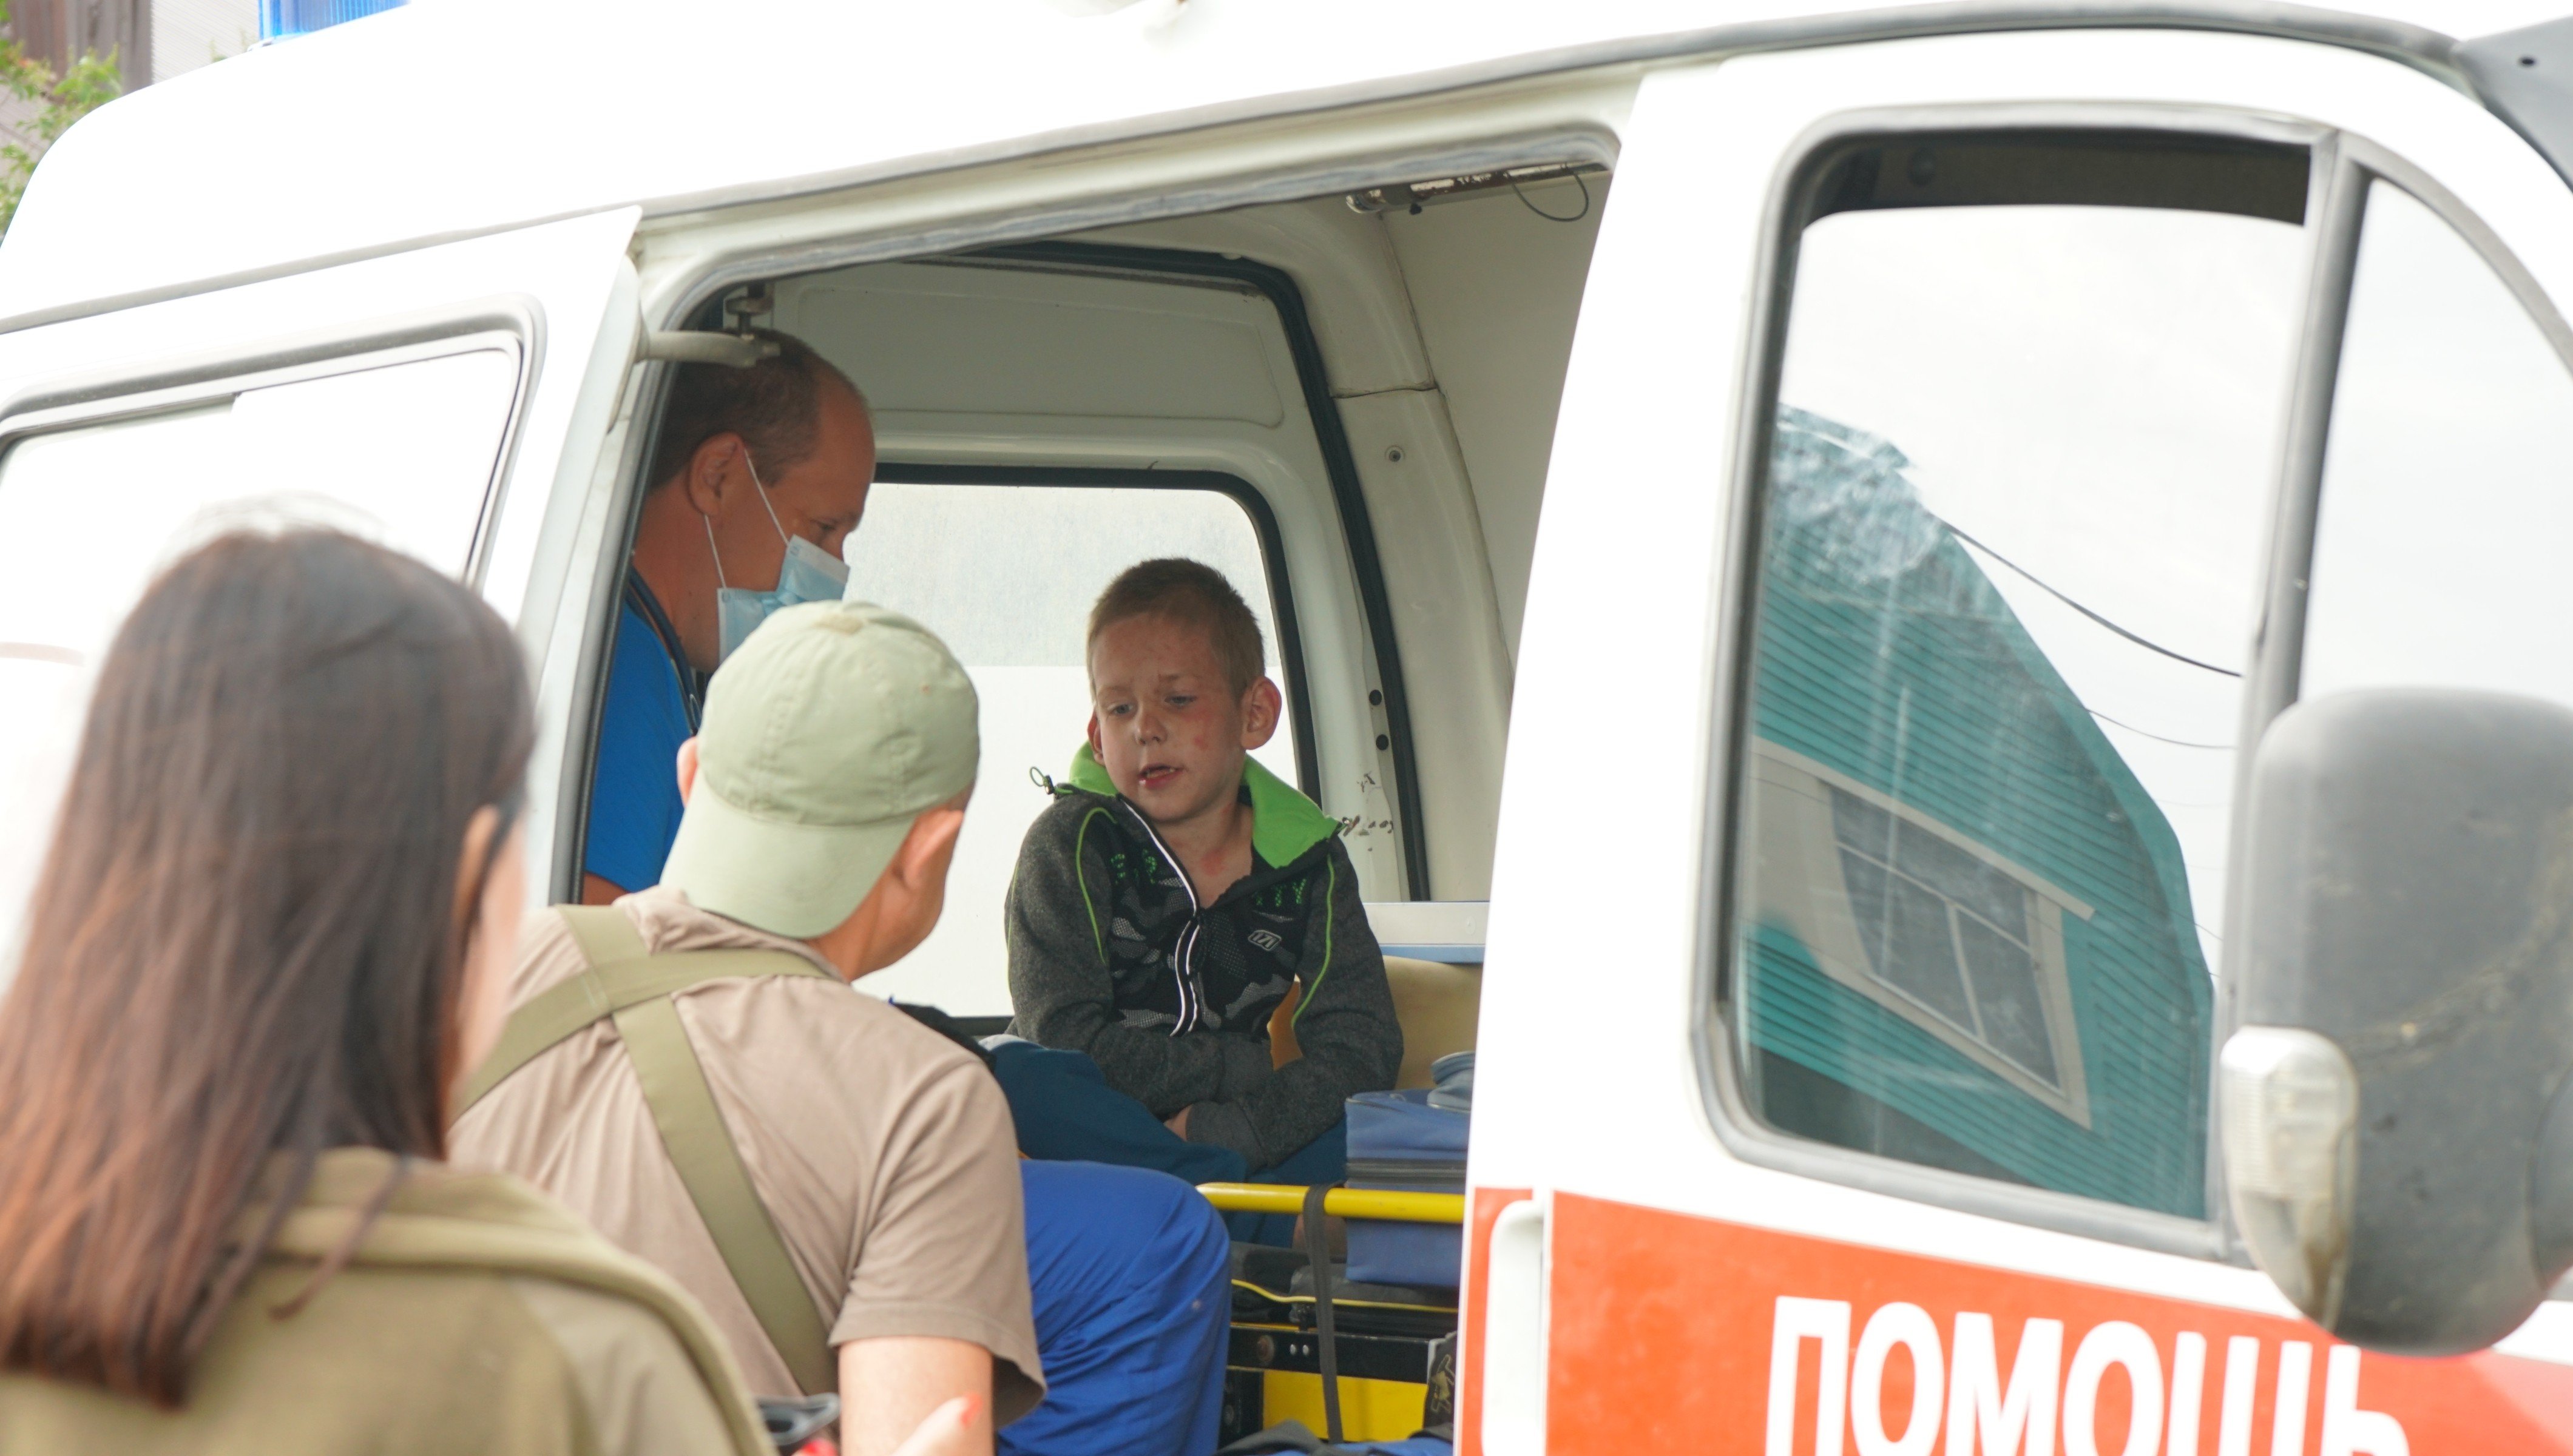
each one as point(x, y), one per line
point(244, 947)
point(775, 406)
point(1193, 593)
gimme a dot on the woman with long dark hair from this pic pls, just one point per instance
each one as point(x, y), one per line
point(270, 937)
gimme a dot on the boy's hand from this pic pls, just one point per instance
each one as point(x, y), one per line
point(1178, 1121)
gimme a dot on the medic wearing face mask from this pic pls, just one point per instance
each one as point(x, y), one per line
point(808, 574)
point(758, 477)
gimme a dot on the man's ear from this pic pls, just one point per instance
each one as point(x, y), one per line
point(1261, 708)
point(711, 467)
point(1094, 750)
point(687, 769)
point(929, 845)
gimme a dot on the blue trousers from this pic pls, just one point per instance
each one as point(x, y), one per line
point(1065, 1108)
point(1129, 1269)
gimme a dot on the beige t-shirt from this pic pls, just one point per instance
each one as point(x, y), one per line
point(884, 1152)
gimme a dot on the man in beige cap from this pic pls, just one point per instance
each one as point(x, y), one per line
point(836, 1182)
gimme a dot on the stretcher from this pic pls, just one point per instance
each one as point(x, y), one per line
point(1358, 1361)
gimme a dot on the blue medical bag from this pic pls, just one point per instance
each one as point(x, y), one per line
point(1399, 1140)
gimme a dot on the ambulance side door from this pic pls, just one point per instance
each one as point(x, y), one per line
point(1931, 529)
point(450, 400)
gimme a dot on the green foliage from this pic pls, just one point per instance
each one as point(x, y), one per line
point(92, 82)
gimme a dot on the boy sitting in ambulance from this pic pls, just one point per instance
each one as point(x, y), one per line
point(1187, 920)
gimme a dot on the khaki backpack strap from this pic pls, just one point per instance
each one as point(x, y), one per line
point(624, 983)
point(701, 1148)
point(604, 935)
point(619, 976)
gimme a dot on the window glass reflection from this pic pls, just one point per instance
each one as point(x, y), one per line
point(2010, 564)
point(404, 454)
point(2448, 501)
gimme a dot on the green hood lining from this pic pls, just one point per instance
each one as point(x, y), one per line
point(1283, 823)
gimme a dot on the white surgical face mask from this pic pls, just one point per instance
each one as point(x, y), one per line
point(809, 574)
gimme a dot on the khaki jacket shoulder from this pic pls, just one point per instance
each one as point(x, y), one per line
point(477, 1315)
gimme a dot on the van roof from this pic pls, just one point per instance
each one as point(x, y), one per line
point(459, 116)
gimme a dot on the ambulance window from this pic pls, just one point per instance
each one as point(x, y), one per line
point(2029, 402)
point(1006, 574)
point(403, 454)
point(2445, 519)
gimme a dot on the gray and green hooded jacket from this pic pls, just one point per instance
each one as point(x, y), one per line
point(1111, 954)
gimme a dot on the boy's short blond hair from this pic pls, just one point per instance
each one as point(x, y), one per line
point(1193, 593)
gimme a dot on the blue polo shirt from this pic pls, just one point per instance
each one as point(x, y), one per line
point(651, 708)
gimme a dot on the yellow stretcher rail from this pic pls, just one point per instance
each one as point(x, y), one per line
point(1341, 1202)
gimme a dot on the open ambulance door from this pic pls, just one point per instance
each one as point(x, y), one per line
point(449, 400)
point(1970, 446)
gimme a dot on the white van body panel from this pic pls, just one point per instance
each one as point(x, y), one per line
point(563, 290)
point(456, 116)
point(569, 278)
point(598, 167)
point(1590, 1011)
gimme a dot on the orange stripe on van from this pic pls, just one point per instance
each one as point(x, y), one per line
point(1670, 1332)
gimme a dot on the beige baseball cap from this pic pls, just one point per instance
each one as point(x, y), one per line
point(825, 734)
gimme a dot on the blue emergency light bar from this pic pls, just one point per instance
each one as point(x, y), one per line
point(285, 19)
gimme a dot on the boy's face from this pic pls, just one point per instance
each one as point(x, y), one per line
point(1165, 723)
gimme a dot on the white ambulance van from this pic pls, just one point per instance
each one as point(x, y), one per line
point(1944, 632)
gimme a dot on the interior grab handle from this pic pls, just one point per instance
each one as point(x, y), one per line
point(692, 345)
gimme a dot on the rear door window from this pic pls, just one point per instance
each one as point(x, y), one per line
point(403, 454)
point(1004, 569)
point(2441, 536)
point(2029, 404)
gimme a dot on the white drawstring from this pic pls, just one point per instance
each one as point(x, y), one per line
point(708, 523)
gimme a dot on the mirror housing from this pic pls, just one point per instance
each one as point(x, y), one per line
point(2396, 1148)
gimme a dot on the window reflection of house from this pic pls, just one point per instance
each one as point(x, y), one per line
point(1964, 944)
point(1967, 938)
point(1944, 929)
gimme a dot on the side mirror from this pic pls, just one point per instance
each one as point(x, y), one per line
point(2398, 1151)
